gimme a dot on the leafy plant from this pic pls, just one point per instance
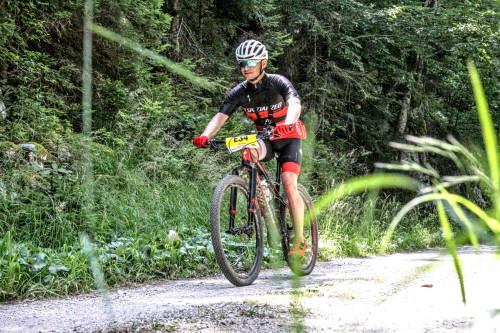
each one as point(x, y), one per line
point(356, 64)
point(460, 207)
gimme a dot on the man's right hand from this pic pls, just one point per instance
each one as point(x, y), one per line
point(201, 141)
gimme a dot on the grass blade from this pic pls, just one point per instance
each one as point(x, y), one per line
point(492, 223)
point(489, 136)
point(463, 217)
point(365, 183)
point(452, 247)
point(173, 66)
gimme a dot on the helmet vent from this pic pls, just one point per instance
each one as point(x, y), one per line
point(251, 50)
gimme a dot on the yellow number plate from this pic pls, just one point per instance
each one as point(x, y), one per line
point(239, 142)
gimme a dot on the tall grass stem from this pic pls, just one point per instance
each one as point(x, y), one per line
point(452, 247)
point(98, 274)
point(365, 183)
point(173, 66)
point(88, 195)
point(489, 136)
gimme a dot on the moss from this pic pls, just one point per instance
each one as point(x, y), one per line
point(8, 150)
point(98, 148)
point(40, 150)
point(31, 179)
point(6, 145)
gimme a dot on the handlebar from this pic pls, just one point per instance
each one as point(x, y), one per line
point(266, 133)
point(214, 143)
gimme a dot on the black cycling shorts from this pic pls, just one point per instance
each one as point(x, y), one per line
point(285, 150)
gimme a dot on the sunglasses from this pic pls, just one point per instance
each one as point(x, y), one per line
point(249, 63)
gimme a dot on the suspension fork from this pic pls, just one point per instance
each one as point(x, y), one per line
point(252, 190)
point(252, 194)
point(232, 203)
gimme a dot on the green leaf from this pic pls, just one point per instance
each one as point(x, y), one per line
point(54, 269)
point(38, 266)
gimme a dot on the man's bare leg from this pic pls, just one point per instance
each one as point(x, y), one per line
point(296, 204)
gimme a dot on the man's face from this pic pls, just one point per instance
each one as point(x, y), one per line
point(252, 72)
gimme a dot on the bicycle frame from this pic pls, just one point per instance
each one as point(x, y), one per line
point(240, 257)
point(256, 171)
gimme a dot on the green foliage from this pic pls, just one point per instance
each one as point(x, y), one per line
point(333, 163)
point(29, 271)
point(355, 226)
point(358, 65)
point(43, 59)
point(472, 216)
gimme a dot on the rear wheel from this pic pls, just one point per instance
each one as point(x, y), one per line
point(238, 248)
point(300, 265)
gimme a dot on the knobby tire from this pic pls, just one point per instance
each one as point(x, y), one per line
point(238, 256)
point(300, 265)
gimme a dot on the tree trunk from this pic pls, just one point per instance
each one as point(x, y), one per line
point(3, 110)
point(176, 29)
point(403, 115)
point(431, 3)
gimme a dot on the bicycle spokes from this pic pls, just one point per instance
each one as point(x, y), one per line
point(237, 242)
point(300, 265)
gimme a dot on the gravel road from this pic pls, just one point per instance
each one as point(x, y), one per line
point(411, 292)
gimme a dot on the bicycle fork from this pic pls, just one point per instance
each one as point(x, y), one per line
point(248, 229)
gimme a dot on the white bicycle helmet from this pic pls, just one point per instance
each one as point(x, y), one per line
point(251, 50)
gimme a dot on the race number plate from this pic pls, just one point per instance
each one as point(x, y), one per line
point(239, 142)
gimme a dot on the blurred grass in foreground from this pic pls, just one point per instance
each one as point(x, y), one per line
point(475, 219)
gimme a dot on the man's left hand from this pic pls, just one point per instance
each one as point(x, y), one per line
point(283, 129)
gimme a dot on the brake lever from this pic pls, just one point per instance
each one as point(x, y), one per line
point(267, 132)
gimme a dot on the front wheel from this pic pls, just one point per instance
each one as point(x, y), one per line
point(238, 247)
point(300, 265)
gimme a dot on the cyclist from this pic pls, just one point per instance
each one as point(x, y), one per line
point(268, 99)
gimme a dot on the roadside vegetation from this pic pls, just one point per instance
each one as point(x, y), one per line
point(378, 73)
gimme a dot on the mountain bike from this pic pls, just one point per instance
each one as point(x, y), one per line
point(243, 203)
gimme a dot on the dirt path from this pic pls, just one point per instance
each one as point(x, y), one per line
point(415, 292)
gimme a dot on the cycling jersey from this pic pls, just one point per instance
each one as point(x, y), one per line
point(264, 103)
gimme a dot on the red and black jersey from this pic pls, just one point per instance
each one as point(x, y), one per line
point(261, 101)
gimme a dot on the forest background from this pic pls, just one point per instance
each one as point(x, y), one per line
point(368, 72)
